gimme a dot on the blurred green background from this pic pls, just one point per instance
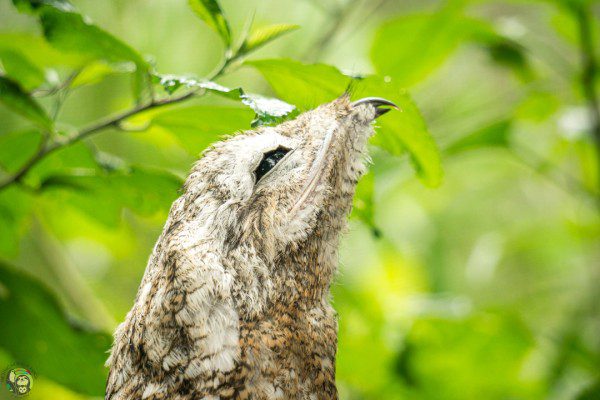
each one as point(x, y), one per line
point(483, 284)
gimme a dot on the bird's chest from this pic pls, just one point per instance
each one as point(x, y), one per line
point(290, 354)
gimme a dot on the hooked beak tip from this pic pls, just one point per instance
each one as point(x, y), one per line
point(381, 105)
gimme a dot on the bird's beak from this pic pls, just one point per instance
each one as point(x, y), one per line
point(377, 102)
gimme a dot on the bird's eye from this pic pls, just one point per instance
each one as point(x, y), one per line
point(270, 159)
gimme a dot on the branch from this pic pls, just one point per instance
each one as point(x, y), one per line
point(583, 15)
point(47, 148)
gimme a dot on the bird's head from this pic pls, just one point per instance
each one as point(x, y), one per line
point(271, 188)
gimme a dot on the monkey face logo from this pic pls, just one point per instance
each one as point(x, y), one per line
point(19, 381)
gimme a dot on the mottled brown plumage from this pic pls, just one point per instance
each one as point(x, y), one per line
point(234, 303)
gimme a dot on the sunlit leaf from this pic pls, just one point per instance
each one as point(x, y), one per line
point(196, 127)
point(264, 35)
point(39, 51)
point(14, 97)
point(41, 335)
point(304, 85)
point(21, 69)
point(210, 12)
point(96, 71)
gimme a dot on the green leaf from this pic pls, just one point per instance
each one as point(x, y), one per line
point(14, 97)
point(210, 12)
point(494, 135)
point(94, 72)
point(304, 85)
point(17, 147)
point(39, 334)
point(411, 47)
point(37, 50)
point(21, 69)
point(76, 157)
point(262, 36)
point(196, 127)
point(69, 32)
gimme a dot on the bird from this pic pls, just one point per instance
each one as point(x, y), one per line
point(235, 300)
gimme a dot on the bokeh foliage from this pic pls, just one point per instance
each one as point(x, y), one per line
point(476, 281)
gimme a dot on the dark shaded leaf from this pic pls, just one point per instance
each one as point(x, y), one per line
point(38, 333)
point(15, 98)
point(304, 85)
point(210, 12)
point(590, 393)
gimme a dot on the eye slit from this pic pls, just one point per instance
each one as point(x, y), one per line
point(270, 159)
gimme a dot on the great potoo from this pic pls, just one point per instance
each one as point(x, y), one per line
point(235, 302)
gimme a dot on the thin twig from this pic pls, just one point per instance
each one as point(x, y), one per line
point(326, 38)
point(53, 90)
point(564, 181)
point(589, 63)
